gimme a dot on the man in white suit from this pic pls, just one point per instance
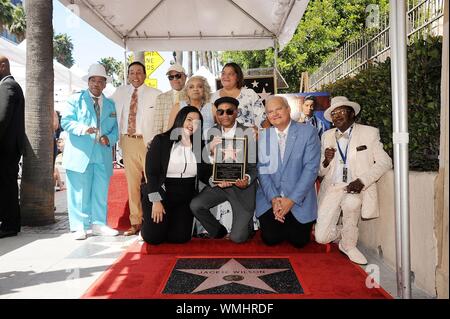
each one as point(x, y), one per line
point(353, 160)
point(135, 107)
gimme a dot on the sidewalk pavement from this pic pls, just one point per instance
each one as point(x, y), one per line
point(47, 263)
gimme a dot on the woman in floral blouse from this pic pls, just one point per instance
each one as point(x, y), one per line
point(251, 108)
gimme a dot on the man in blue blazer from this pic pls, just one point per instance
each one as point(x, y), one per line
point(90, 120)
point(288, 163)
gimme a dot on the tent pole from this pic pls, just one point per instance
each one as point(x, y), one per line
point(400, 136)
point(275, 58)
point(395, 125)
point(125, 62)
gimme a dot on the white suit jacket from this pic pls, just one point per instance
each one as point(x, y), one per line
point(367, 161)
point(122, 99)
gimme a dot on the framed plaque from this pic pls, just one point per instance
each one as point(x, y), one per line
point(230, 160)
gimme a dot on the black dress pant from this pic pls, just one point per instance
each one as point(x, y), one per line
point(9, 194)
point(274, 232)
point(176, 226)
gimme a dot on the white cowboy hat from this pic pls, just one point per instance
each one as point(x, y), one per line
point(97, 70)
point(338, 101)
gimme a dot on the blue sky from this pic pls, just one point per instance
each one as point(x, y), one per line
point(90, 45)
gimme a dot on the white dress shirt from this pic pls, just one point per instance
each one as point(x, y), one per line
point(126, 111)
point(338, 171)
point(182, 162)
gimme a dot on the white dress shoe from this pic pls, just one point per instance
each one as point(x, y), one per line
point(80, 235)
point(354, 255)
point(103, 230)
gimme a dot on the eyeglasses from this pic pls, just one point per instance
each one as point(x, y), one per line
point(340, 112)
point(175, 76)
point(227, 111)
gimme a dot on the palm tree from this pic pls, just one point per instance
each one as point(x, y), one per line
point(19, 23)
point(114, 68)
point(6, 14)
point(62, 49)
point(190, 63)
point(37, 186)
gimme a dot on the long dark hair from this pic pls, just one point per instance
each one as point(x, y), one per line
point(237, 69)
point(181, 117)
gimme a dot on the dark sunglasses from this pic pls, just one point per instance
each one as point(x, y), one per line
point(175, 76)
point(227, 111)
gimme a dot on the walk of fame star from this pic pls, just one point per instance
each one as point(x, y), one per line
point(232, 272)
point(230, 153)
point(263, 95)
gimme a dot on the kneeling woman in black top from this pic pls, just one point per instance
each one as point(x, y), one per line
point(171, 168)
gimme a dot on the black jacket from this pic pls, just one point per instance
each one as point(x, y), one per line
point(12, 118)
point(157, 162)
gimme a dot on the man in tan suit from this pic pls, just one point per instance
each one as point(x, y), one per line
point(164, 102)
point(135, 107)
point(353, 160)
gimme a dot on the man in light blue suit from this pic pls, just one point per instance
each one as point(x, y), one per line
point(288, 163)
point(90, 121)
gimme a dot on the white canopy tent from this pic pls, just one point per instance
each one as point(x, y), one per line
point(167, 25)
point(66, 81)
point(250, 25)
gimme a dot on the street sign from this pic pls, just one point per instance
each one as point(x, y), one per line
point(152, 61)
point(152, 83)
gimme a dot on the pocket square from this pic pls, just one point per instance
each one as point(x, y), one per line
point(361, 148)
point(113, 114)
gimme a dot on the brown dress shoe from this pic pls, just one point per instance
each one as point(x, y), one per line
point(133, 230)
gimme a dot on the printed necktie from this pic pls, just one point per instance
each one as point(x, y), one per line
point(282, 143)
point(176, 97)
point(97, 114)
point(132, 114)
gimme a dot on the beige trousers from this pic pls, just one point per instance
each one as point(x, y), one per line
point(134, 152)
point(331, 204)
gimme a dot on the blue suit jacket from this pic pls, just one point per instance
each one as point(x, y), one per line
point(78, 115)
point(295, 176)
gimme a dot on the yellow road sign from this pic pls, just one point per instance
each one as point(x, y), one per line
point(152, 61)
point(152, 83)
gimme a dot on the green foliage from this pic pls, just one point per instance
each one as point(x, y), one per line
point(19, 23)
point(114, 69)
point(6, 13)
point(371, 88)
point(62, 49)
point(325, 26)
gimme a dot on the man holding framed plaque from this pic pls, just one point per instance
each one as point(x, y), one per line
point(232, 155)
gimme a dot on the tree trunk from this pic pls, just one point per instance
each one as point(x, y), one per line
point(216, 64)
point(37, 186)
point(179, 57)
point(197, 59)
point(205, 58)
point(210, 61)
point(139, 56)
point(190, 63)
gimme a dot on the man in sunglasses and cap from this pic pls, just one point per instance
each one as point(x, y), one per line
point(90, 121)
point(165, 101)
point(352, 161)
point(240, 194)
